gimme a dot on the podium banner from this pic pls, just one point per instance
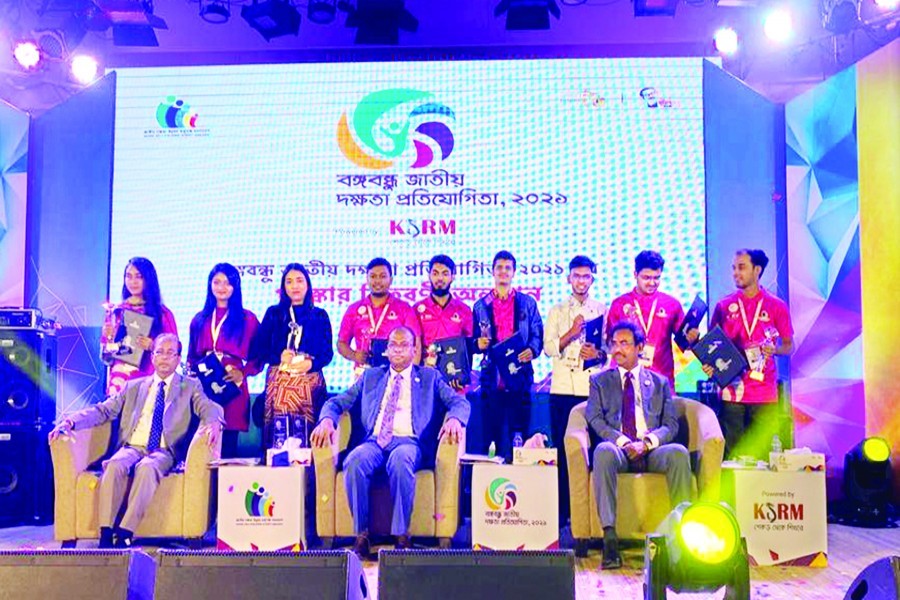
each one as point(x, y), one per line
point(514, 507)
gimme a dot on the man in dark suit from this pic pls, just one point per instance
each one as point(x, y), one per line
point(398, 404)
point(630, 408)
point(155, 415)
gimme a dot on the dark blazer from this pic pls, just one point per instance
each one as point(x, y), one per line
point(271, 337)
point(604, 405)
point(432, 398)
point(185, 403)
point(528, 325)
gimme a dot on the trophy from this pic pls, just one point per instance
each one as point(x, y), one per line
point(110, 348)
point(485, 329)
point(757, 358)
point(431, 355)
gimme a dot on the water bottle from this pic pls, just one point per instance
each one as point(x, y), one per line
point(517, 440)
point(492, 450)
point(776, 444)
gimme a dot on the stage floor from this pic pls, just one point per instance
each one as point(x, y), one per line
point(849, 551)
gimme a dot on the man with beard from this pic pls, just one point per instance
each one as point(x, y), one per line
point(630, 409)
point(565, 343)
point(442, 315)
point(374, 317)
point(759, 324)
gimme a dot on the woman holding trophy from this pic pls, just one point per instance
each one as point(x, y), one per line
point(295, 340)
point(130, 327)
point(224, 329)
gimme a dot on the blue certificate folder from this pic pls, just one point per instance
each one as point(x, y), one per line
point(719, 352)
point(505, 357)
point(211, 373)
point(691, 320)
point(593, 334)
point(378, 353)
point(453, 359)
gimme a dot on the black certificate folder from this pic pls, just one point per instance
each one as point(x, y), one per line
point(211, 374)
point(691, 320)
point(716, 350)
point(593, 334)
point(453, 359)
point(505, 357)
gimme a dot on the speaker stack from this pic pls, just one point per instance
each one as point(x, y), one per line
point(27, 413)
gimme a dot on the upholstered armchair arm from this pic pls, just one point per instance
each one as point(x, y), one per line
point(446, 483)
point(325, 461)
point(705, 438)
point(577, 445)
point(71, 456)
point(198, 484)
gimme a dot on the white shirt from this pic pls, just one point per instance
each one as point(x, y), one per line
point(403, 414)
point(640, 422)
point(569, 376)
point(141, 434)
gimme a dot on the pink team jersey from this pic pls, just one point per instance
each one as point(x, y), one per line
point(363, 322)
point(762, 314)
point(437, 323)
point(657, 315)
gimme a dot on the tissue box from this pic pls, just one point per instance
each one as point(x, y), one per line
point(797, 461)
point(534, 456)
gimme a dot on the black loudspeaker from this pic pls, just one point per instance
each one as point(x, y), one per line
point(26, 477)
point(27, 378)
point(497, 575)
point(76, 574)
point(878, 581)
point(197, 575)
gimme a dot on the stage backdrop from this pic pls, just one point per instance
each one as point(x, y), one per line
point(13, 197)
point(334, 164)
point(844, 206)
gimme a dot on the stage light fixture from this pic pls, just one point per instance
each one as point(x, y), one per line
point(132, 21)
point(698, 547)
point(272, 18)
point(655, 8)
point(726, 41)
point(321, 11)
point(216, 12)
point(867, 484)
point(27, 54)
point(779, 25)
point(379, 22)
point(840, 16)
point(525, 15)
point(84, 68)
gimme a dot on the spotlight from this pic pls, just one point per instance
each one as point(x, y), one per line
point(215, 11)
point(84, 68)
point(379, 21)
point(726, 40)
point(272, 18)
point(698, 547)
point(321, 11)
point(840, 16)
point(778, 25)
point(27, 55)
point(524, 15)
point(887, 4)
point(867, 484)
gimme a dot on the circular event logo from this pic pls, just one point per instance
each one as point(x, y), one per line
point(389, 125)
point(500, 494)
point(259, 502)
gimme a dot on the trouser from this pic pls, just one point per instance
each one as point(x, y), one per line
point(505, 413)
point(401, 457)
point(748, 428)
point(672, 460)
point(560, 407)
point(149, 469)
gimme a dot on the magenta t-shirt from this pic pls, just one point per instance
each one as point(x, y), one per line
point(357, 321)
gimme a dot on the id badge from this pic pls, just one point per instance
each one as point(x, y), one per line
point(647, 355)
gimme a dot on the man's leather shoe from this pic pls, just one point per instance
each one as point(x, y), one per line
point(403, 543)
point(611, 557)
point(361, 547)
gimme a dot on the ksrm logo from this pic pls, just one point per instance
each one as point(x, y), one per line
point(416, 227)
point(768, 511)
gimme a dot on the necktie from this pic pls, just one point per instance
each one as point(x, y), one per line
point(387, 419)
point(156, 425)
point(628, 425)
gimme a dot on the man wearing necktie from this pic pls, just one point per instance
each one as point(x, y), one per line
point(155, 415)
point(399, 406)
point(630, 408)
